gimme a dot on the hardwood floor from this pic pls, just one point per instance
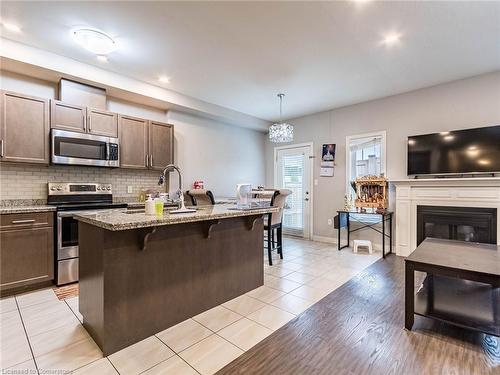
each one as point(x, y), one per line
point(358, 329)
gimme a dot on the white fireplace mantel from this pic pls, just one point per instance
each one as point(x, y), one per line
point(456, 192)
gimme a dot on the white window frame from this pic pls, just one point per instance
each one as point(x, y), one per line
point(383, 152)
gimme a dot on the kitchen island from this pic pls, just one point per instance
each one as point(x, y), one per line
point(142, 274)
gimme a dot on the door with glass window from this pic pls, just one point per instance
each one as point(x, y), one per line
point(292, 172)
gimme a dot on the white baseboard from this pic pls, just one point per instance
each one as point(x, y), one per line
point(324, 239)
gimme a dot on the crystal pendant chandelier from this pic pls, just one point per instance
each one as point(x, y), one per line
point(281, 132)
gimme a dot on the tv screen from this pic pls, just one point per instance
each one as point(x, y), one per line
point(455, 152)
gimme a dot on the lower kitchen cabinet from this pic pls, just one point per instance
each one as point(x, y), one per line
point(27, 254)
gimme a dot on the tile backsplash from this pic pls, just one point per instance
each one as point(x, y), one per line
point(30, 182)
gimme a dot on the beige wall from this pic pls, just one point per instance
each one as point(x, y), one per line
point(467, 103)
point(222, 155)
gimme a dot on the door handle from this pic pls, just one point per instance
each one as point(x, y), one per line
point(23, 221)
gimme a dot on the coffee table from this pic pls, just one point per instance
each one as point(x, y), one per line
point(462, 286)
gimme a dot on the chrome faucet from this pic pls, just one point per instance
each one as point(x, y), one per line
point(161, 180)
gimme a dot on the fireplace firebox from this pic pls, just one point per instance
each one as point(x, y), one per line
point(471, 224)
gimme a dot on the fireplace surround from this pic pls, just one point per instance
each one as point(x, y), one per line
point(452, 194)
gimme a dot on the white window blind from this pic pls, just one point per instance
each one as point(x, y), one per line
point(293, 172)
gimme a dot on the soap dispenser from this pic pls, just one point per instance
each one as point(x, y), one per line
point(150, 205)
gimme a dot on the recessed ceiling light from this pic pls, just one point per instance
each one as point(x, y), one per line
point(164, 79)
point(94, 41)
point(102, 58)
point(444, 133)
point(484, 161)
point(449, 138)
point(391, 39)
point(11, 27)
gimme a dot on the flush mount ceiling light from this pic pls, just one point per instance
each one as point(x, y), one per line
point(94, 41)
point(281, 132)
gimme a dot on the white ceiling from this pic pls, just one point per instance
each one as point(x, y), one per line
point(241, 54)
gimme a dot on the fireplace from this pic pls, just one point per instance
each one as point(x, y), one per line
point(471, 224)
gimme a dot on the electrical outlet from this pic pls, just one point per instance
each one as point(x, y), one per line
point(330, 221)
point(130, 189)
point(315, 182)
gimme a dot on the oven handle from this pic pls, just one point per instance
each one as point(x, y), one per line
point(107, 151)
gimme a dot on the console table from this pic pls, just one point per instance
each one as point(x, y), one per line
point(462, 286)
point(344, 221)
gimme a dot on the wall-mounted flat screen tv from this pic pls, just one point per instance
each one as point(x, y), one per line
point(455, 152)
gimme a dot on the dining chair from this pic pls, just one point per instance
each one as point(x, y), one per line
point(201, 197)
point(274, 222)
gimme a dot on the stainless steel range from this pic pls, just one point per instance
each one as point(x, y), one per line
point(71, 198)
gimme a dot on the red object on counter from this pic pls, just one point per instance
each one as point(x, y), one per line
point(198, 184)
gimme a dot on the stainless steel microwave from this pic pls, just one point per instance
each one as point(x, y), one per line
point(84, 149)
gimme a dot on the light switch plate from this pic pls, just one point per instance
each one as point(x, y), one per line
point(130, 189)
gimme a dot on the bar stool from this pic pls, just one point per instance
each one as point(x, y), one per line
point(201, 197)
point(274, 222)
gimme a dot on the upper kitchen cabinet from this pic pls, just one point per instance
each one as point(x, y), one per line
point(76, 118)
point(66, 116)
point(24, 128)
point(145, 144)
point(161, 145)
point(102, 122)
point(133, 142)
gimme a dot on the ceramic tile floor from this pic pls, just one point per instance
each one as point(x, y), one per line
point(40, 334)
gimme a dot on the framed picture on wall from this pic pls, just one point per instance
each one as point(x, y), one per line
point(327, 160)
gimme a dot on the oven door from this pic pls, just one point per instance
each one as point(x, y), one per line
point(83, 149)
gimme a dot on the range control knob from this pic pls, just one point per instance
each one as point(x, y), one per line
point(108, 188)
point(59, 188)
point(98, 188)
point(53, 188)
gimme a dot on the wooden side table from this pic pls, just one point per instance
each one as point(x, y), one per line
point(462, 286)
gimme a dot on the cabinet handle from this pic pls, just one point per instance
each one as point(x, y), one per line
point(84, 122)
point(23, 221)
point(147, 161)
point(151, 160)
point(1, 148)
point(89, 120)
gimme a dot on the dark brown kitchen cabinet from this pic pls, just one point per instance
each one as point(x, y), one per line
point(145, 144)
point(27, 256)
point(24, 128)
point(69, 117)
point(102, 122)
point(133, 142)
point(80, 119)
point(161, 145)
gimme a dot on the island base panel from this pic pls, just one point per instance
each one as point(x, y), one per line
point(130, 290)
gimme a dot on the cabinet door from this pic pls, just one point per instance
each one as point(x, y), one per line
point(68, 116)
point(24, 129)
point(102, 122)
point(161, 145)
point(27, 257)
point(133, 142)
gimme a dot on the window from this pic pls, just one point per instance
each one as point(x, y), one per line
point(365, 156)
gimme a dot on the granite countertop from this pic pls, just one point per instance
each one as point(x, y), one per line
point(121, 219)
point(20, 206)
